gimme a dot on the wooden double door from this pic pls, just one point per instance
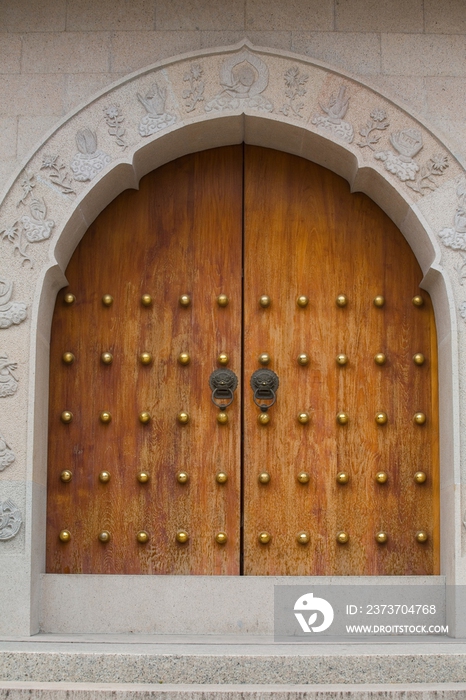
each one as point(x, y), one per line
point(241, 259)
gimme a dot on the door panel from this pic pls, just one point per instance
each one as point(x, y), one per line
point(291, 228)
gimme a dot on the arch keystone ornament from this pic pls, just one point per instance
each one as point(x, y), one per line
point(194, 102)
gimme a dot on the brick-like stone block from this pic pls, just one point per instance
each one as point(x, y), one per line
point(82, 86)
point(375, 16)
point(32, 94)
point(445, 97)
point(423, 55)
point(402, 89)
point(8, 132)
point(446, 17)
point(199, 14)
point(88, 15)
point(67, 52)
point(133, 50)
point(31, 129)
point(294, 15)
point(32, 16)
point(276, 40)
point(10, 53)
point(338, 49)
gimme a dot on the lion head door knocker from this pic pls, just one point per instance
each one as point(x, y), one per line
point(264, 384)
point(223, 383)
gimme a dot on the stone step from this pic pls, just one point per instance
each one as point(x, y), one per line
point(143, 691)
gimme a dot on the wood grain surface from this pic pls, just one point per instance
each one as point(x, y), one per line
point(295, 228)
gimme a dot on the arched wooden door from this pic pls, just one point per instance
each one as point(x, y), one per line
point(138, 461)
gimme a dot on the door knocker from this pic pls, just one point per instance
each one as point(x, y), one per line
point(264, 383)
point(223, 383)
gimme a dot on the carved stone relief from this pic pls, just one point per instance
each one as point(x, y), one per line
point(10, 520)
point(195, 92)
point(156, 118)
point(407, 143)
point(114, 120)
point(455, 237)
point(8, 381)
point(27, 184)
point(89, 161)
point(7, 456)
point(377, 122)
point(11, 312)
point(57, 174)
point(335, 110)
point(295, 82)
point(37, 227)
point(243, 78)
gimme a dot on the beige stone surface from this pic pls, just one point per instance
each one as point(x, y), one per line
point(445, 16)
point(10, 52)
point(293, 14)
point(8, 134)
point(199, 14)
point(82, 86)
point(274, 40)
point(32, 94)
point(423, 55)
point(406, 90)
point(66, 52)
point(446, 97)
point(89, 16)
point(30, 130)
point(376, 16)
point(133, 50)
point(32, 16)
point(338, 50)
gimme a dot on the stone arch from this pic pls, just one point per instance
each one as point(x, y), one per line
point(194, 102)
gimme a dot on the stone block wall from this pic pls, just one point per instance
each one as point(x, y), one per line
point(54, 54)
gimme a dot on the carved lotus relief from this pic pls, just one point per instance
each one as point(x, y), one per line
point(335, 110)
point(243, 78)
point(89, 161)
point(10, 520)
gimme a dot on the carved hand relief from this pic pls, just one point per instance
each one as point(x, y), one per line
point(11, 312)
point(243, 78)
point(335, 110)
point(89, 161)
point(195, 92)
point(10, 520)
point(7, 456)
point(114, 120)
point(156, 118)
point(377, 122)
point(295, 82)
point(8, 381)
point(57, 174)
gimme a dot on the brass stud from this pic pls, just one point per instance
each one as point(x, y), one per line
point(421, 536)
point(302, 301)
point(379, 301)
point(104, 477)
point(223, 359)
point(105, 417)
point(418, 300)
point(182, 477)
point(303, 418)
point(303, 477)
point(380, 358)
point(106, 358)
point(419, 418)
point(342, 359)
point(341, 300)
point(145, 358)
point(68, 358)
point(303, 537)
point(66, 476)
point(144, 417)
point(143, 477)
point(303, 359)
point(265, 301)
point(69, 299)
point(342, 478)
point(419, 358)
point(184, 358)
point(64, 535)
point(222, 418)
point(221, 477)
point(264, 537)
point(142, 536)
point(221, 537)
point(104, 536)
point(263, 418)
point(381, 537)
point(107, 300)
point(182, 536)
point(264, 478)
point(66, 417)
point(381, 418)
point(264, 358)
point(185, 300)
point(182, 418)
point(342, 537)
point(342, 418)
point(381, 477)
point(222, 300)
point(146, 300)
point(420, 477)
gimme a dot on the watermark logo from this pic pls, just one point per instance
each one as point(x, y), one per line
point(313, 605)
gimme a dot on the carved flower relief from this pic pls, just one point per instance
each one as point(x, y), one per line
point(7, 456)
point(11, 312)
point(37, 227)
point(89, 161)
point(335, 110)
point(8, 381)
point(455, 238)
point(243, 78)
point(156, 118)
point(10, 520)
